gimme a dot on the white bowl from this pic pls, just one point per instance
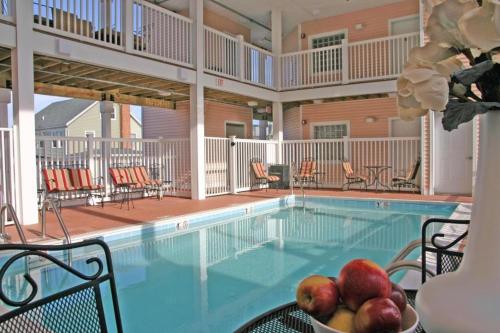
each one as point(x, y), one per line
point(409, 323)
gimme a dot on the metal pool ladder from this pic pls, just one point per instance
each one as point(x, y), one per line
point(3, 235)
point(51, 204)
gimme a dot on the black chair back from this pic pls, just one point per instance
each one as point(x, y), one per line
point(447, 260)
point(75, 309)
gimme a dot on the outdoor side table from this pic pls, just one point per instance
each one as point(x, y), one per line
point(126, 191)
point(288, 318)
point(375, 173)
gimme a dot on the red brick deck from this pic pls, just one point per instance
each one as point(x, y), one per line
point(81, 220)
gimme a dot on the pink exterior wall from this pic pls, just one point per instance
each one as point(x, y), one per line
point(292, 127)
point(216, 115)
point(355, 112)
point(223, 24)
point(171, 124)
point(375, 21)
point(291, 41)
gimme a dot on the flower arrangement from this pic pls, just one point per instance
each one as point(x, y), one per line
point(435, 77)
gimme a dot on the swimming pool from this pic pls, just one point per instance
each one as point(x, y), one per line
point(228, 267)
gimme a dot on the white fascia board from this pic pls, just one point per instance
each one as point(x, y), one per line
point(379, 87)
point(240, 88)
point(108, 58)
point(7, 35)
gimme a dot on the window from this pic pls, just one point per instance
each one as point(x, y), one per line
point(327, 60)
point(235, 129)
point(332, 131)
point(404, 25)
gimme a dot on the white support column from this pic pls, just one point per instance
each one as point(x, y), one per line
point(241, 66)
point(345, 61)
point(107, 110)
point(24, 118)
point(277, 41)
point(277, 46)
point(233, 165)
point(5, 99)
point(197, 109)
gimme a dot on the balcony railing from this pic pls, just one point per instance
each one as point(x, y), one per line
point(140, 27)
point(6, 10)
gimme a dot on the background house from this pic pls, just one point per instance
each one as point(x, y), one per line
point(79, 117)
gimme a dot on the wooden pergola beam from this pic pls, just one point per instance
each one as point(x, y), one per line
point(74, 92)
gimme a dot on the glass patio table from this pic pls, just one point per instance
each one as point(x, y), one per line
point(375, 173)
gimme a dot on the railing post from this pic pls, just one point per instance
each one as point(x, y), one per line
point(128, 24)
point(345, 61)
point(241, 64)
point(345, 145)
point(233, 173)
point(90, 153)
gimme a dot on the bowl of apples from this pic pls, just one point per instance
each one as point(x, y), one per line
point(361, 300)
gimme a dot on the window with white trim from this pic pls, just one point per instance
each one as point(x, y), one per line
point(327, 60)
point(332, 131)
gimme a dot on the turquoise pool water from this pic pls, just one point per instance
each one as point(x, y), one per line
point(215, 277)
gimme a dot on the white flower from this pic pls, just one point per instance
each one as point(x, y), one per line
point(421, 89)
point(429, 55)
point(481, 26)
point(442, 26)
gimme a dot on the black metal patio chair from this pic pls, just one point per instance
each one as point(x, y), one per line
point(79, 308)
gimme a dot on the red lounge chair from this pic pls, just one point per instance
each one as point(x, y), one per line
point(261, 177)
point(353, 178)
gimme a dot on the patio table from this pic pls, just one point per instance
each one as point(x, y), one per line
point(126, 191)
point(375, 173)
point(288, 318)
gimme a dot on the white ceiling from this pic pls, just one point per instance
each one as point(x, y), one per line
point(294, 11)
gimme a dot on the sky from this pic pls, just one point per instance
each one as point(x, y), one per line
point(42, 101)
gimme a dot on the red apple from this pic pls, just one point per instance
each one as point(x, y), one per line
point(398, 296)
point(317, 295)
point(361, 280)
point(378, 315)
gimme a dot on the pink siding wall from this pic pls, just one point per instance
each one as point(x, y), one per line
point(292, 124)
point(216, 114)
point(169, 124)
point(375, 21)
point(172, 124)
point(222, 23)
point(355, 112)
point(291, 42)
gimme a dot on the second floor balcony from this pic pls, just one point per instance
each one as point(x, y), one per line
point(141, 28)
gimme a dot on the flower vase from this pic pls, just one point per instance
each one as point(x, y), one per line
point(468, 300)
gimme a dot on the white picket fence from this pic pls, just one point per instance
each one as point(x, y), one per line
point(228, 160)
point(168, 160)
point(222, 53)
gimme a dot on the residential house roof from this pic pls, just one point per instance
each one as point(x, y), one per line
point(58, 114)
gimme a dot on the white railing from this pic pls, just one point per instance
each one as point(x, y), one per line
point(222, 52)
point(167, 160)
point(161, 33)
point(245, 151)
point(398, 154)
point(309, 68)
point(259, 66)
point(381, 58)
point(6, 10)
point(217, 166)
point(97, 21)
point(7, 172)
point(375, 59)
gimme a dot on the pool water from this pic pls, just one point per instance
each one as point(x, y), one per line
point(216, 277)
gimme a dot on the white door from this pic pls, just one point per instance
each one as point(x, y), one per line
point(453, 158)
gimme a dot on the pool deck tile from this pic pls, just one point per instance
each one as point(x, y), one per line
point(94, 219)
